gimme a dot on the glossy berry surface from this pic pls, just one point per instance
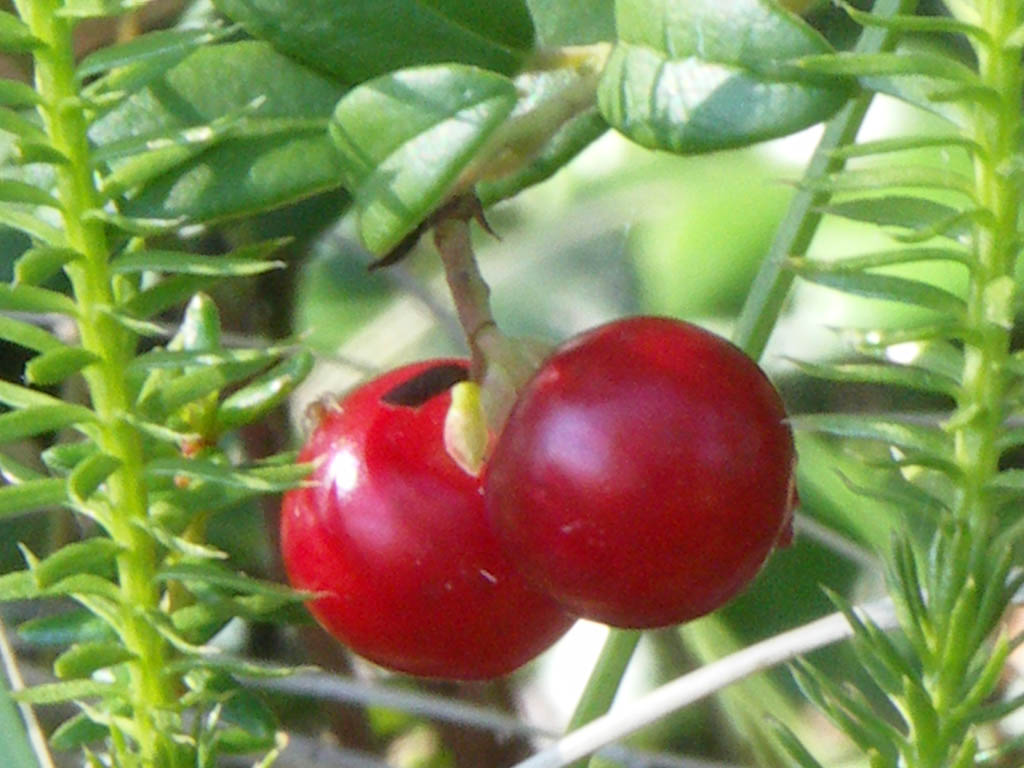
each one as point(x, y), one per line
point(395, 535)
point(644, 474)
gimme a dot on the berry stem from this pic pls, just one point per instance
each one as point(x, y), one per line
point(499, 364)
point(470, 292)
point(604, 679)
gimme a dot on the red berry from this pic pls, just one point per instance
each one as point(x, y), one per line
point(644, 474)
point(395, 536)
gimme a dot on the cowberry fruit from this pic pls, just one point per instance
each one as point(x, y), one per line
point(394, 537)
point(644, 474)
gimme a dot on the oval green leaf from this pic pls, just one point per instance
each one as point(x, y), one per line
point(15, 36)
point(251, 403)
point(700, 75)
point(93, 556)
point(273, 148)
point(32, 496)
point(405, 137)
point(357, 40)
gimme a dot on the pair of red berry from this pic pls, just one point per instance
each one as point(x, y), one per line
point(641, 480)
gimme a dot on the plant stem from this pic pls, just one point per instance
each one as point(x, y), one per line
point(91, 280)
point(604, 680)
point(470, 292)
point(980, 412)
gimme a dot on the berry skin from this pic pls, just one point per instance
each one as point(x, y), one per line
point(644, 474)
point(395, 536)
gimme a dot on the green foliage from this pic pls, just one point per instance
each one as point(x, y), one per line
point(681, 78)
point(184, 146)
point(400, 110)
point(357, 41)
point(385, 127)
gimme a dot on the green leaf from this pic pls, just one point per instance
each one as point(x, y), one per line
point(85, 586)
point(906, 144)
point(357, 40)
point(887, 177)
point(926, 217)
point(18, 585)
point(166, 358)
point(922, 346)
point(1008, 480)
point(700, 75)
point(135, 225)
point(27, 335)
point(17, 396)
point(55, 365)
point(15, 36)
point(889, 287)
point(214, 497)
point(159, 431)
point(64, 629)
point(16, 124)
point(249, 713)
point(82, 659)
point(219, 576)
point(93, 556)
point(77, 731)
point(37, 265)
point(904, 578)
point(89, 9)
point(192, 386)
point(184, 263)
point(200, 469)
point(14, 472)
point(17, 95)
point(896, 64)
point(40, 420)
point(56, 693)
point(140, 160)
point(907, 23)
point(32, 496)
point(573, 22)
point(865, 261)
point(167, 293)
point(180, 545)
point(13, 191)
point(164, 44)
point(384, 130)
point(230, 665)
point(886, 375)
point(64, 457)
point(201, 621)
point(792, 745)
point(847, 708)
point(569, 141)
point(259, 397)
point(276, 152)
point(16, 218)
point(29, 151)
point(200, 327)
point(89, 474)
point(874, 649)
point(29, 298)
point(142, 328)
point(917, 440)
